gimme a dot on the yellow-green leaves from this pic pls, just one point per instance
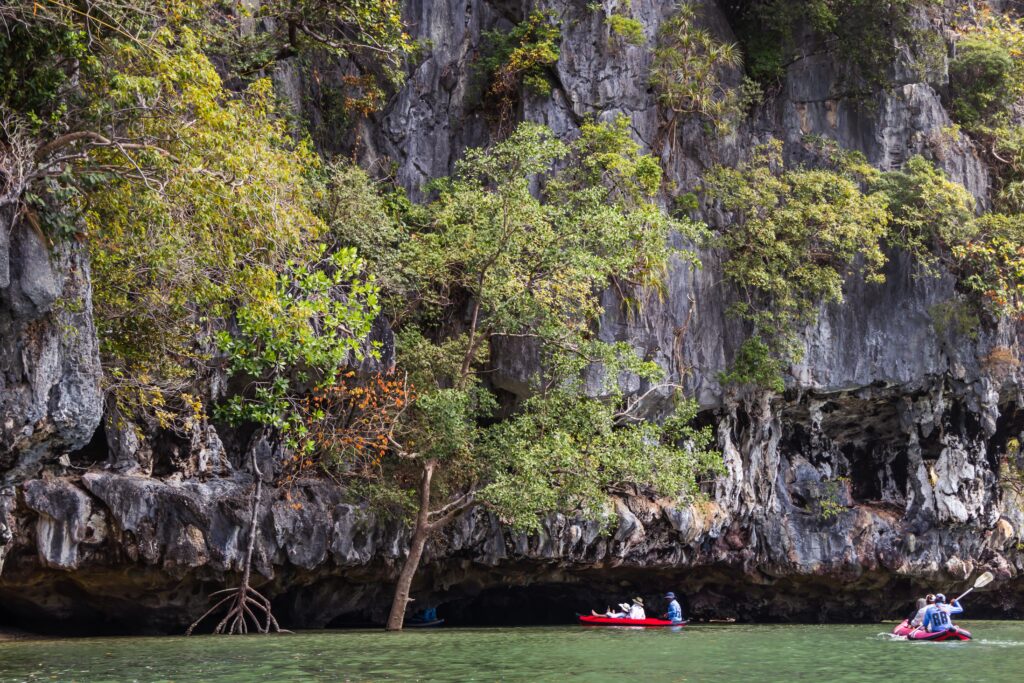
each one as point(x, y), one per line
point(689, 67)
point(991, 264)
point(792, 237)
point(299, 334)
point(197, 221)
point(929, 212)
point(513, 254)
point(519, 58)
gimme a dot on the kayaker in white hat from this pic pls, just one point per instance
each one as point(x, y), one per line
point(614, 615)
point(922, 606)
point(636, 610)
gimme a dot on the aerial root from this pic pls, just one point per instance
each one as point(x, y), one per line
point(246, 603)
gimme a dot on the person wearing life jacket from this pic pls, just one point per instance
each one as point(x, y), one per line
point(675, 612)
point(636, 610)
point(917, 618)
point(936, 617)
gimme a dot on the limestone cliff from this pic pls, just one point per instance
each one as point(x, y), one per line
point(878, 473)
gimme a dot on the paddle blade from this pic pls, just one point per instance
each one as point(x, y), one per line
point(984, 580)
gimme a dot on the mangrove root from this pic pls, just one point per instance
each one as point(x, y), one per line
point(245, 604)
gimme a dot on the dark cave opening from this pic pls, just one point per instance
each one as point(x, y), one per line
point(537, 605)
point(1010, 425)
point(94, 452)
point(868, 475)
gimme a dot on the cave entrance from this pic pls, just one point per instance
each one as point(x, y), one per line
point(536, 605)
point(94, 452)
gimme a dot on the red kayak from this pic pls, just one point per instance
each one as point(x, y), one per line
point(608, 621)
point(906, 631)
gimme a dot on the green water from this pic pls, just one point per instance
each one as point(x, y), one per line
point(757, 654)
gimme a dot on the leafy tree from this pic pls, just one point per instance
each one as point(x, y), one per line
point(792, 238)
point(515, 249)
point(300, 334)
point(986, 81)
point(519, 59)
point(195, 202)
point(981, 80)
point(930, 213)
point(933, 218)
point(865, 35)
point(627, 29)
point(688, 68)
point(990, 264)
point(253, 38)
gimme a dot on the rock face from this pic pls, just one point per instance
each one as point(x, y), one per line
point(881, 472)
point(50, 398)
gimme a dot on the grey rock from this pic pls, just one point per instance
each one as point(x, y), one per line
point(878, 472)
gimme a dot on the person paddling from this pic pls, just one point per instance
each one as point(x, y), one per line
point(937, 616)
point(636, 611)
point(675, 612)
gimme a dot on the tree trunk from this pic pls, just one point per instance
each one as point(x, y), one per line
point(420, 533)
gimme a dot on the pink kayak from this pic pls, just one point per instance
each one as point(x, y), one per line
point(905, 630)
point(609, 621)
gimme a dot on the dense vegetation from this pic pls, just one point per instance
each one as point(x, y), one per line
point(228, 252)
point(223, 245)
point(866, 36)
point(517, 60)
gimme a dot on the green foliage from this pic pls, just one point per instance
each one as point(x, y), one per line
point(865, 35)
point(563, 453)
point(362, 31)
point(530, 265)
point(195, 203)
point(519, 58)
point(930, 213)
point(954, 317)
point(981, 81)
point(297, 335)
point(688, 67)
point(628, 29)
point(991, 265)
point(793, 238)
point(493, 261)
point(359, 212)
point(33, 75)
point(986, 81)
point(220, 208)
point(757, 363)
point(829, 501)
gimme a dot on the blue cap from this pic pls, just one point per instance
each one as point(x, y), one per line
point(670, 595)
point(939, 597)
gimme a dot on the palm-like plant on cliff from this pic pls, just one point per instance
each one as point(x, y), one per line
point(514, 252)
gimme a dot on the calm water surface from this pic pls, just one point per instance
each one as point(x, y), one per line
point(754, 654)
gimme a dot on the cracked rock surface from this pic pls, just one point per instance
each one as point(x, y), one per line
point(881, 473)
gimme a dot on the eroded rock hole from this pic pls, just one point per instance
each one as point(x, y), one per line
point(96, 451)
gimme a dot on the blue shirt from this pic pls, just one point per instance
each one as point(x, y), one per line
point(675, 612)
point(936, 617)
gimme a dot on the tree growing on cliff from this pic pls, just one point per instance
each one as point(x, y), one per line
point(194, 201)
point(513, 253)
point(793, 237)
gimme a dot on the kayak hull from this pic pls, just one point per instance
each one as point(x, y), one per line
point(608, 621)
point(956, 633)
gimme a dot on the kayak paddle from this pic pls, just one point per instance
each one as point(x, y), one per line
point(980, 582)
